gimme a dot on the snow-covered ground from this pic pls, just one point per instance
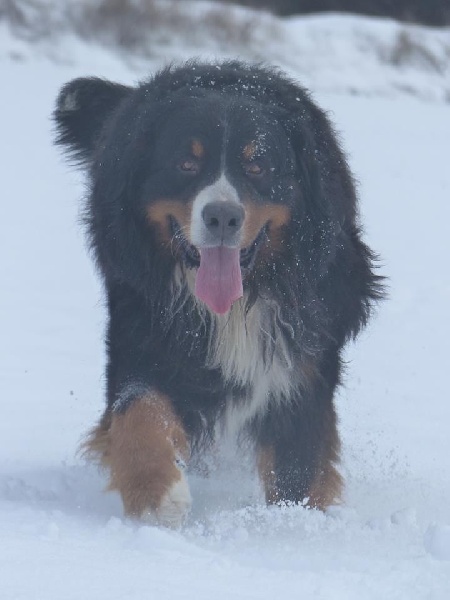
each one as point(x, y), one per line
point(61, 536)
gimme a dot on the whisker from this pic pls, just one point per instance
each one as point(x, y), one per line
point(179, 242)
point(177, 237)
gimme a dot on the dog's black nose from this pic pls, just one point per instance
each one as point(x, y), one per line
point(223, 219)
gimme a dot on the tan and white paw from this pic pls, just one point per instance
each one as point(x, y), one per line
point(173, 506)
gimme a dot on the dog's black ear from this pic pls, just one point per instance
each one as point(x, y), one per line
point(82, 108)
point(327, 189)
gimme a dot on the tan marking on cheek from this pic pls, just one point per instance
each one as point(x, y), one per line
point(197, 148)
point(266, 470)
point(141, 449)
point(275, 216)
point(159, 212)
point(249, 151)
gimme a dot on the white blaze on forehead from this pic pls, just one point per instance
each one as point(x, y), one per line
point(220, 190)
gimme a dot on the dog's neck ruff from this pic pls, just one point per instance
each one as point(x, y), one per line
point(246, 345)
point(252, 349)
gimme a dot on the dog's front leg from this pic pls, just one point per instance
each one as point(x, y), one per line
point(145, 448)
point(298, 452)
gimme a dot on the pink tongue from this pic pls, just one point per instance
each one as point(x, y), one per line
point(219, 281)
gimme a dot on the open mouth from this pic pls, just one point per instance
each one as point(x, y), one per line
point(191, 256)
point(189, 253)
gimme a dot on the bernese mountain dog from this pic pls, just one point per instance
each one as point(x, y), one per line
point(223, 219)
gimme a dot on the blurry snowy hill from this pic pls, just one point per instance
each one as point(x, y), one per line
point(330, 52)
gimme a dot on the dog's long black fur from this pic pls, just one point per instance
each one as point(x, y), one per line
point(317, 287)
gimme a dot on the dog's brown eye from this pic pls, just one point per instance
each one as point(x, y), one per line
point(254, 169)
point(189, 166)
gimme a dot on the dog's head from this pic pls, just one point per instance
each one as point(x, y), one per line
point(214, 169)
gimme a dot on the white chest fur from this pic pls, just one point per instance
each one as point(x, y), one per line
point(252, 351)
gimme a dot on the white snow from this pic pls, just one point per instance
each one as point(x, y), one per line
point(61, 536)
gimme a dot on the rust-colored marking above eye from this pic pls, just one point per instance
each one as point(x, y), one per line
point(198, 150)
point(249, 151)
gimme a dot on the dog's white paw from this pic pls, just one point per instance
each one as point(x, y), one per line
point(174, 506)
